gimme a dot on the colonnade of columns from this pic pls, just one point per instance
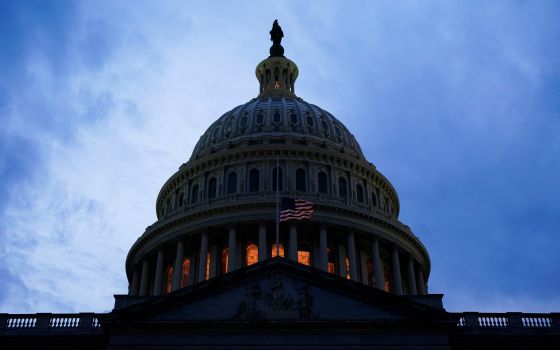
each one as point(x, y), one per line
point(347, 262)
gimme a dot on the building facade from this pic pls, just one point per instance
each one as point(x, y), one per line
point(219, 270)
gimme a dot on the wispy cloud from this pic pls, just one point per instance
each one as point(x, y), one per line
point(455, 103)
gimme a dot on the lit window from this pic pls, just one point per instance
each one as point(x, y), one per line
point(330, 267)
point(185, 272)
point(225, 258)
point(347, 268)
point(303, 254)
point(280, 250)
point(304, 257)
point(252, 254)
point(207, 271)
point(169, 280)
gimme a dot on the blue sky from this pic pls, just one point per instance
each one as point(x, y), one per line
point(457, 103)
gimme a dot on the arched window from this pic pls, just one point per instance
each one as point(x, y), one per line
point(251, 254)
point(168, 278)
point(194, 194)
point(212, 188)
point(225, 259)
point(277, 179)
point(232, 182)
point(181, 200)
point(300, 180)
point(254, 180)
point(373, 199)
point(342, 190)
point(185, 272)
point(360, 193)
point(322, 182)
point(304, 254)
point(207, 269)
point(280, 250)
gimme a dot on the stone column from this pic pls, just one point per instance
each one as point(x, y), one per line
point(363, 267)
point(293, 242)
point(213, 260)
point(420, 279)
point(351, 248)
point(232, 244)
point(144, 279)
point(411, 277)
point(323, 254)
point(135, 281)
point(202, 256)
point(341, 261)
point(396, 269)
point(263, 251)
point(377, 265)
point(158, 282)
point(178, 269)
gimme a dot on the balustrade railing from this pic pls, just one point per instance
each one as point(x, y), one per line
point(507, 320)
point(49, 321)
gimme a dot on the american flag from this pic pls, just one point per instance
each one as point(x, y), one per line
point(296, 209)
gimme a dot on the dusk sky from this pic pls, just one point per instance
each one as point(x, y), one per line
point(457, 103)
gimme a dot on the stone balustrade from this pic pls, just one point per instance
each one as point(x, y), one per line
point(476, 320)
point(45, 322)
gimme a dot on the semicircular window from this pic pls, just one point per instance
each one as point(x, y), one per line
point(325, 126)
point(244, 121)
point(309, 121)
point(276, 117)
point(259, 119)
point(293, 117)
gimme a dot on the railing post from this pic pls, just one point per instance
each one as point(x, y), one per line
point(3, 320)
point(86, 320)
point(471, 319)
point(43, 320)
point(514, 319)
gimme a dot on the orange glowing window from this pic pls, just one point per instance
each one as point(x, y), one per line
point(225, 259)
point(280, 250)
point(276, 85)
point(330, 267)
point(252, 254)
point(169, 280)
point(185, 272)
point(304, 257)
point(347, 268)
point(207, 270)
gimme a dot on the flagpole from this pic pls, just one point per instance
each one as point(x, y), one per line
point(277, 207)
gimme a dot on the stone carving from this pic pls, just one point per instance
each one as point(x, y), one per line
point(277, 302)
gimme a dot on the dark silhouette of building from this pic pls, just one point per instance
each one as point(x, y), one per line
point(219, 270)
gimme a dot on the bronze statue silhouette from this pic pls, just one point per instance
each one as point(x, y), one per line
point(276, 35)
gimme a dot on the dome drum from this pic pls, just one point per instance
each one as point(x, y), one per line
point(349, 253)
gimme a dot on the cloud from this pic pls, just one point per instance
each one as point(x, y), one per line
point(455, 104)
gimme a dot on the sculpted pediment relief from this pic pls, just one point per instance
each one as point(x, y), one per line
point(277, 296)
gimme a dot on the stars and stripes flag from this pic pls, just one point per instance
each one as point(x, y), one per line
point(296, 209)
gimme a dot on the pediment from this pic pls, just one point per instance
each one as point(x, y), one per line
point(277, 290)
